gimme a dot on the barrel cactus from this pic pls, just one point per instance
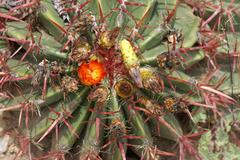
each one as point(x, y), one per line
point(99, 79)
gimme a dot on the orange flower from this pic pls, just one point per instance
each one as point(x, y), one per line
point(91, 73)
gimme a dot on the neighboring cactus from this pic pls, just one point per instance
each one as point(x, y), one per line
point(100, 79)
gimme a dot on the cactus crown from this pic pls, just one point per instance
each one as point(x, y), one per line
point(120, 77)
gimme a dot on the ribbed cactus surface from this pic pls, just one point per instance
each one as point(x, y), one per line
point(117, 79)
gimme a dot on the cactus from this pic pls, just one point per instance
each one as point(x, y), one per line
point(118, 79)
